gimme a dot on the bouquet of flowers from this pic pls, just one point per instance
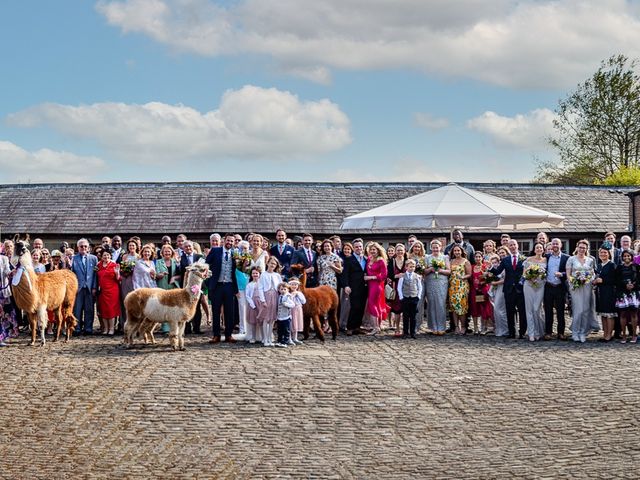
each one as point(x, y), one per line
point(489, 277)
point(126, 268)
point(243, 260)
point(421, 266)
point(437, 264)
point(535, 274)
point(580, 278)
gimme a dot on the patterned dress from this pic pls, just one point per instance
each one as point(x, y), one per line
point(436, 287)
point(328, 274)
point(458, 290)
point(8, 323)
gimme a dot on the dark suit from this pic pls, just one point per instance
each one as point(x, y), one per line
point(222, 294)
point(353, 277)
point(300, 256)
point(194, 324)
point(284, 258)
point(555, 296)
point(513, 294)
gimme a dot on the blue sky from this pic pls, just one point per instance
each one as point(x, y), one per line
point(339, 90)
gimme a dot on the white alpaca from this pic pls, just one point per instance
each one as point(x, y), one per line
point(147, 307)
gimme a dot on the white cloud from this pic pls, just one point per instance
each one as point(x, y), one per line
point(529, 131)
point(405, 170)
point(429, 122)
point(46, 165)
point(250, 122)
point(516, 43)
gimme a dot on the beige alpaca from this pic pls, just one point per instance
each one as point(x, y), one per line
point(147, 307)
point(35, 294)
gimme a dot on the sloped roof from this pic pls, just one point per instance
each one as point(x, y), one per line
point(151, 208)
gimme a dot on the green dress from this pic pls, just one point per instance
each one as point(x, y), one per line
point(458, 290)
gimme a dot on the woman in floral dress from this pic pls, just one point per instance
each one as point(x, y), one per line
point(459, 288)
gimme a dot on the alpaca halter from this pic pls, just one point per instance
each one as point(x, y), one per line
point(195, 289)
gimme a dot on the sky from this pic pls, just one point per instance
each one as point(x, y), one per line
point(294, 90)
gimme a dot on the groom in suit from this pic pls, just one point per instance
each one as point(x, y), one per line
point(308, 258)
point(223, 288)
point(555, 289)
point(355, 286)
point(189, 257)
point(84, 265)
point(513, 292)
point(283, 252)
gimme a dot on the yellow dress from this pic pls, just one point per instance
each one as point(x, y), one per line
point(458, 290)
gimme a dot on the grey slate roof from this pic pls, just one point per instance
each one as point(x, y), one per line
point(156, 208)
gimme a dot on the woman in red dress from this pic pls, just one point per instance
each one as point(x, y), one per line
point(480, 306)
point(376, 277)
point(108, 291)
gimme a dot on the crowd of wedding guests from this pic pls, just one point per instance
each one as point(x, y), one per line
point(407, 288)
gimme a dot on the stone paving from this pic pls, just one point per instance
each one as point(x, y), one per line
point(357, 408)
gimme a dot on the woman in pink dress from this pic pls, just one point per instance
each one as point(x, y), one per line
point(376, 277)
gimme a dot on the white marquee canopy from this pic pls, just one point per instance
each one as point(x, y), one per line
point(454, 206)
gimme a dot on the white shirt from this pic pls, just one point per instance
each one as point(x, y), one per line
point(249, 292)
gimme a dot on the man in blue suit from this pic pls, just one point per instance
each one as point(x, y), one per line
point(513, 292)
point(84, 265)
point(223, 287)
point(307, 257)
point(283, 252)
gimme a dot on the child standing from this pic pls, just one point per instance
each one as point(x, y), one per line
point(268, 293)
point(283, 317)
point(252, 297)
point(410, 294)
point(297, 317)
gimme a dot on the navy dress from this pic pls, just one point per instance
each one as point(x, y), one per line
point(606, 291)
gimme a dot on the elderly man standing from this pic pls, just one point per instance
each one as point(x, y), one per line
point(83, 265)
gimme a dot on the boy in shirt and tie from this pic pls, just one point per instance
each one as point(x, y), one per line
point(410, 293)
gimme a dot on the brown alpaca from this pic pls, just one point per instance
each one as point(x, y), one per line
point(321, 301)
point(35, 294)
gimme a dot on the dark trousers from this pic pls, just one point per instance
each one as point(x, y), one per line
point(409, 310)
point(554, 298)
point(222, 297)
point(83, 310)
point(358, 304)
point(515, 300)
point(283, 330)
point(193, 325)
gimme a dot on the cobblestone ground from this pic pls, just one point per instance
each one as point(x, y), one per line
point(361, 407)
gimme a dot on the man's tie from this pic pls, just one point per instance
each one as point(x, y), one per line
point(309, 257)
point(280, 249)
point(515, 262)
point(226, 256)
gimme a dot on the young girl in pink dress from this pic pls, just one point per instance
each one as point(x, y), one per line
point(268, 293)
point(252, 296)
point(297, 317)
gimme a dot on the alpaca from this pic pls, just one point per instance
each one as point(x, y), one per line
point(35, 294)
point(321, 301)
point(147, 307)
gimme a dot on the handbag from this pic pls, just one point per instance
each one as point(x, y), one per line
point(389, 292)
point(480, 298)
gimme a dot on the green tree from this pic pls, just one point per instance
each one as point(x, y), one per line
point(628, 176)
point(597, 129)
